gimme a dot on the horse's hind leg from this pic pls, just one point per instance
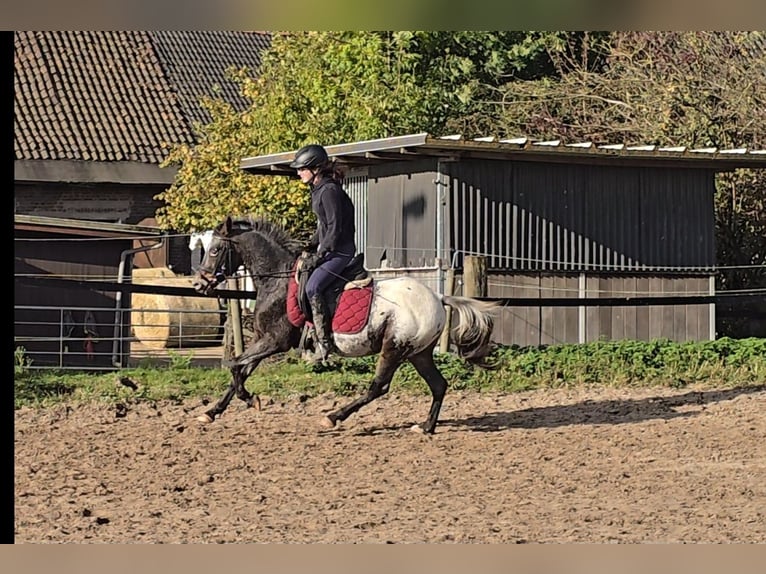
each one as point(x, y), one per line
point(388, 362)
point(426, 368)
point(240, 376)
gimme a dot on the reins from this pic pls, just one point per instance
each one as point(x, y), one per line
point(228, 262)
point(244, 225)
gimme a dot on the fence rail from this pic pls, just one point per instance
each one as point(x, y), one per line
point(536, 310)
point(91, 338)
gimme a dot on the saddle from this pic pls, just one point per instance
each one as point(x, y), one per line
point(353, 276)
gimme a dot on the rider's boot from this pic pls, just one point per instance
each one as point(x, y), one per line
point(322, 330)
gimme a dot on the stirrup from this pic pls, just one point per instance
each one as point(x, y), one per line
point(320, 355)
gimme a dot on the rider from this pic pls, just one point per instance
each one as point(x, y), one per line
point(333, 238)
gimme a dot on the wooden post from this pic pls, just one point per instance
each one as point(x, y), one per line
point(236, 317)
point(475, 276)
point(448, 290)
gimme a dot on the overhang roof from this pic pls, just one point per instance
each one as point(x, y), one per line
point(82, 227)
point(451, 148)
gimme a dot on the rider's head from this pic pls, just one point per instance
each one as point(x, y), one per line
point(309, 161)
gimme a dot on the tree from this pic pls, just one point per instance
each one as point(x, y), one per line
point(334, 87)
point(700, 89)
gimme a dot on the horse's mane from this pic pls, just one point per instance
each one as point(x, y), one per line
point(268, 229)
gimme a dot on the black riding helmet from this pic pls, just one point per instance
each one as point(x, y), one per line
point(310, 156)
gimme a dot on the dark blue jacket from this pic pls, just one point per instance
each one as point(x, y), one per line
point(335, 218)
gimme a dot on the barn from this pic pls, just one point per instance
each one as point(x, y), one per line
point(95, 113)
point(550, 219)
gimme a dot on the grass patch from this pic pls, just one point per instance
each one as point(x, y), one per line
point(721, 363)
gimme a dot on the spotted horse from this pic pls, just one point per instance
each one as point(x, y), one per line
point(404, 320)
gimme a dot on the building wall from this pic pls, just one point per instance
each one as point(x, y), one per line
point(538, 216)
point(96, 202)
point(130, 204)
point(401, 220)
point(534, 326)
point(355, 184)
point(555, 230)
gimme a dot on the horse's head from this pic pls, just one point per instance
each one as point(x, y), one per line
point(221, 259)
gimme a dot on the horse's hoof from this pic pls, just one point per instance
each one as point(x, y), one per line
point(206, 418)
point(419, 430)
point(327, 422)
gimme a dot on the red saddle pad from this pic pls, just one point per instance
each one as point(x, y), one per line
point(353, 310)
point(351, 315)
point(294, 313)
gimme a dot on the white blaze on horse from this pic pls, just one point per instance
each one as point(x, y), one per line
point(403, 318)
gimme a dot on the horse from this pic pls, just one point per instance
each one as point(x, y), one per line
point(405, 321)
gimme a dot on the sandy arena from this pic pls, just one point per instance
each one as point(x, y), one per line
point(589, 465)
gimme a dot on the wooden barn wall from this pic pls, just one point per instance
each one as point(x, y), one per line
point(401, 221)
point(536, 216)
point(534, 326)
point(63, 256)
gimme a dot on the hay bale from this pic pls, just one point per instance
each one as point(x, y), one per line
point(172, 321)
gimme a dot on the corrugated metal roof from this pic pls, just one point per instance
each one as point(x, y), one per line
point(418, 146)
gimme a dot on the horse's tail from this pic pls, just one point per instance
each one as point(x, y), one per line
point(472, 327)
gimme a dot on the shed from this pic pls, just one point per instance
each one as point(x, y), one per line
point(554, 220)
point(45, 315)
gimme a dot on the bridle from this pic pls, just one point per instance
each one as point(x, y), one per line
point(210, 278)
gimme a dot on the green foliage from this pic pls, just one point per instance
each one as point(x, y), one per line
point(621, 363)
point(333, 87)
point(180, 361)
point(44, 387)
point(697, 89)
point(21, 362)
point(721, 363)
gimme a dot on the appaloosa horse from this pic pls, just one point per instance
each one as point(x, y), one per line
point(404, 319)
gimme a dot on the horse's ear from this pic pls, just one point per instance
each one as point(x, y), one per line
point(227, 225)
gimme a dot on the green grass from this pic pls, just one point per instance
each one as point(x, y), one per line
point(721, 363)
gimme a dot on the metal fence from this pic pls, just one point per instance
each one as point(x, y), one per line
point(90, 338)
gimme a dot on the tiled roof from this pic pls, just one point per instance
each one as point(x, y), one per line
point(197, 61)
point(119, 95)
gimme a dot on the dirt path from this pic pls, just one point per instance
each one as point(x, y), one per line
point(651, 465)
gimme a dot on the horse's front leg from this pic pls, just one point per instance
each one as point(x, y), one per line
point(241, 368)
point(209, 415)
point(240, 374)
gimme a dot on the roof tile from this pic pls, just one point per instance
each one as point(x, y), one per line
point(121, 95)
